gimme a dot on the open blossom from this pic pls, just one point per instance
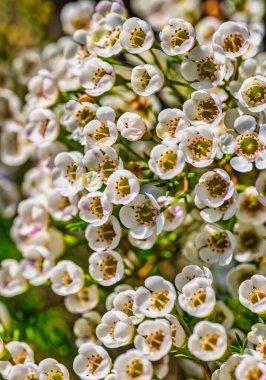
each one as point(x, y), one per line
point(257, 336)
point(125, 301)
point(12, 281)
point(156, 298)
point(95, 208)
point(172, 122)
point(61, 207)
point(208, 341)
point(67, 278)
point(84, 300)
point(26, 371)
point(37, 264)
point(174, 213)
point(154, 339)
point(131, 365)
point(190, 272)
point(106, 267)
point(136, 36)
point(203, 108)
point(249, 207)
point(233, 38)
point(75, 52)
point(250, 366)
point(115, 329)
point(92, 362)
point(166, 161)
point(33, 216)
point(146, 79)
point(252, 93)
point(42, 126)
point(122, 187)
point(252, 294)
point(76, 15)
point(177, 37)
point(105, 236)
point(131, 126)
point(250, 242)
point(142, 216)
point(96, 76)
point(228, 368)
point(51, 367)
point(84, 328)
point(204, 67)
point(43, 90)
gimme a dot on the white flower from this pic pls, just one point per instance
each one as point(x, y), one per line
point(224, 212)
point(109, 303)
point(37, 264)
point(204, 67)
point(252, 294)
point(146, 79)
point(102, 131)
point(106, 236)
point(249, 208)
point(177, 331)
point(84, 328)
point(37, 182)
point(197, 297)
point(60, 207)
point(24, 371)
point(12, 281)
point(177, 37)
point(154, 339)
point(122, 187)
point(96, 76)
point(157, 298)
point(142, 216)
point(51, 368)
point(257, 336)
point(43, 90)
point(10, 104)
point(233, 37)
point(67, 278)
point(131, 126)
point(261, 187)
point(143, 243)
point(92, 363)
point(203, 108)
point(215, 245)
point(21, 352)
point(106, 267)
point(33, 216)
point(205, 28)
point(213, 189)
point(124, 301)
point(228, 368)
point(132, 365)
point(9, 198)
point(95, 208)
point(171, 124)
point(237, 275)
point(69, 172)
point(105, 161)
point(166, 161)
point(42, 126)
point(190, 272)
point(199, 146)
point(252, 93)
point(208, 341)
point(174, 213)
point(250, 242)
point(75, 52)
point(250, 366)
point(115, 330)
point(136, 36)
point(76, 15)
point(87, 298)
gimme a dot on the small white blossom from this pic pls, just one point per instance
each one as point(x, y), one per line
point(60, 207)
point(105, 236)
point(136, 36)
point(250, 242)
point(249, 208)
point(122, 187)
point(67, 278)
point(84, 328)
point(95, 208)
point(42, 126)
point(190, 272)
point(43, 90)
point(76, 15)
point(106, 267)
point(12, 281)
point(174, 214)
point(131, 365)
point(250, 366)
point(177, 37)
point(224, 212)
point(51, 367)
point(124, 301)
point(87, 298)
point(257, 336)
point(172, 122)
point(166, 161)
point(252, 294)
point(146, 79)
point(252, 93)
point(37, 264)
point(237, 275)
point(24, 371)
point(131, 126)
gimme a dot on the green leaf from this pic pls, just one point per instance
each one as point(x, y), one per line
point(239, 340)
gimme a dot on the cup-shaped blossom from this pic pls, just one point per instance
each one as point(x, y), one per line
point(60, 207)
point(146, 79)
point(233, 38)
point(93, 362)
point(87, 298)
point(252, 93)
point(66, 277)
point(153, 339)
point(208, 341)
point(142, 216)
point(24, 371)
point(204, 67)
point(237, 275)
point(224, 212)
point(156, 298)
point(131, 126)
point(136, 36)
point(105, 236)
point(171, 124)
point(190, 272)
point(174, 213)
point(252, 294)
point(50, 367)
point(177, 37)
point(166, 161)
point(215, 245)
point(132, 365)
point(96, 76)
point(76, 15)
point(250, 242)
point(205, 28)
point(203, 108)
point(37, 264)
point(197, 297)
point(95, 208)
point(42, 126)
point(177, 331)
point(249, 207)
point(122, 187)
point(199, 146)
point(12, 281)
point(84, 328)
point(106, 267)
point(251, 366)
point(33, 215)
point(43, 90)
point(115, 329)
point(75, 52)
point(261, 187)
point(257, 336)
point(214, 187)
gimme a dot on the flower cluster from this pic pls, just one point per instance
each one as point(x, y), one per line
point(143, 199)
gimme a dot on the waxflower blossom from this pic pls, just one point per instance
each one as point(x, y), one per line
point(257, 336)
point(224, 212)
point(250, 366)
point(131, 126)
point(84, 328)
point(43, 90)
point(252, 294)
point(51, 367)
point(171, 124)
point(133, 365)
point(37, 264)
point(61, 207)
point(250, 242)
point(177, 37)
point(75, 52)
point(42, 126)
point(76, 15)
point(95, 208)
point(146, 79)
point(166, 161)
point(12, 281)
point(125, 301)
point(174, 214)
point(190, 272)
point(122, 187)
point(106, 267)
point(84, 300)
point(250, 209)
point(136, 36)
point(105, 236)
point(27, 370)
point(252, 93)
point(67, 278)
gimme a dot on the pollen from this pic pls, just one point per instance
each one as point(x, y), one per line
point(168, 160)
point(98, 75)
point(134, 370)
point(248, 146)
point(256, 295)
point(198, 298)
point(137, 38)
point(179, 36)
point(93, 363)
point(217, 186)
point(122, 186)
point(155, 340)
point(209, 342)
point(207, 110)
point(84, 115)
point(108, 267)
point(160, 299)
point(233, 42)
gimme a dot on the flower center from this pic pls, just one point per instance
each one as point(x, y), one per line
point(209, 342)
point(85, 115)
point(179, 36)
point(255, 94)
point(160, 299)
point(122, 187)
point(93, 363)
point(155, 340)
point(249, 241)
point(254, 374)
point(31, 376)
point(107, 167)
point(251, 204)
point(233, 43)
point(256, 295)
point(168, 130)
point(62, 203)
point(134, 370)
point(95, 207)
point(218, 242)
point(80, 23)
point(201, 148)
point(83, 295)
point(98, 75)
point(249, 146)
point(112, 37)
point(108, 267)
point(145, 79)
point(38, 264)
point(128, 308)
point(198, 298)
point(168, 160)
point(42, 126)
point(21, 357)
point(102, 132)
point(66, 279)
point(106, 232)
point(12, 143)
point(54, 375)
point(207, 68)
point(207, 110)
point(145, 213)
point(71, 172)
point(137, 38)
point(217, 186)
point(261, 348)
